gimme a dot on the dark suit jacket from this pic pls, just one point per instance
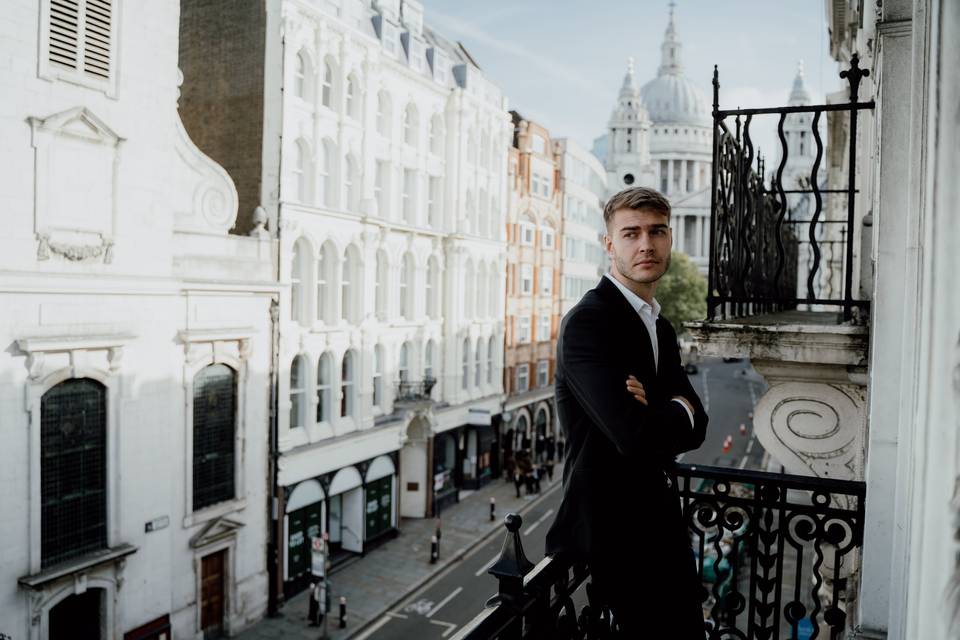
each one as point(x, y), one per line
point(616, 496)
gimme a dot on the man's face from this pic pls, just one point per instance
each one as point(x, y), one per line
point(638, 243)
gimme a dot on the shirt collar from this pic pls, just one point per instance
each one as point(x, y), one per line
point(639, 304)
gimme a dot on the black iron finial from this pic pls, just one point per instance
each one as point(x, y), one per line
point(716, 90)
point(512, 562)
point(853, 75)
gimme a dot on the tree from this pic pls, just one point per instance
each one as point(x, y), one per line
point(682, 292)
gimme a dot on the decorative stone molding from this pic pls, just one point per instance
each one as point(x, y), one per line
point(210, 206)
point(76, 159)
point(76, 346)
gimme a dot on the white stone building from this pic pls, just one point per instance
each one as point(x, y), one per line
point(391, 173)
point(137, 342)
point(584, 187)
point(664, 140)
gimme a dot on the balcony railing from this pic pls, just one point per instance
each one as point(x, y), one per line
point(413, 391)
point(775, 555)
point(771, 248)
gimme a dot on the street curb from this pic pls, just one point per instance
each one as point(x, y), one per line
point(456, 557)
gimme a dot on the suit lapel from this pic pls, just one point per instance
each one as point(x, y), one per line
point(633, 328)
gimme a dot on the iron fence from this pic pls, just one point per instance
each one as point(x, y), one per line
point(775, 554)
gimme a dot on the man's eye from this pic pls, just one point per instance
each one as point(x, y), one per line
point(629, 235)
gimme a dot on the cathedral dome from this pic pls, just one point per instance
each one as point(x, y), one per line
point(671, 98)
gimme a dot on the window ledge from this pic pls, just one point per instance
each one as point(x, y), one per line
point(215, 511)
point(38, 581)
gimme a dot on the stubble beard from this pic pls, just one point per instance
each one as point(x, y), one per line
point(624, 268)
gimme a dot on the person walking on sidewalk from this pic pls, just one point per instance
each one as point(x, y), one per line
point(627, 410)
point(517, 481)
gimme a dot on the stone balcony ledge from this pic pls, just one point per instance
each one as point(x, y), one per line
point(797, 337)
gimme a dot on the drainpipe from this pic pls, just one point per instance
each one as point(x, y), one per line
point(274, 567)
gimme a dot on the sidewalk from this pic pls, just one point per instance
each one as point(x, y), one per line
point(385, 576)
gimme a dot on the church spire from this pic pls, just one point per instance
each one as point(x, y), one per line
point(799, 94)
point(629, 88)
point(670, 63)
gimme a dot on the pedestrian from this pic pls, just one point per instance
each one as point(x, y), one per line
point(536, 479)
point(627, 410)
point(517, 481)
point(550, 470)
point(551, 448)
point(313, 610)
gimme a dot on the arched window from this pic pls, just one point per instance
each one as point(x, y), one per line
point(349, 283)
point(384, 112)
point(494, 293)
point(73, 470)
point(214, 435)
point(347, 373)
point(299, 270)
point(380, 284)
point(433, 288)
point(478, 364)
point(466, 363)
point(411, 125)
point(327, 94)
point(495, 218)
point(469, 283)
point(324, 373)
point(301, 172)
point(325, 170)
point(353, 97)
point(302, 74)
point(436, 135)
point(406, 288)
point(403, 363)
point(483, 220)
point(325, 268)
point(490, 347)
point(480, 291)
point(485, 150)
point(428, 361)
point(471, 211)
point(351, 184)
point(378, 376)
point(298, 390)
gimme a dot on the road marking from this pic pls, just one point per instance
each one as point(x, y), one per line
point(753, 394)
point(444, 601)
point(421, 606)
point(449, 625)
point(750, 446)
point(487, 566)
point(538, 522)
point(372, 630)
point(397, 615)
point(743, 463)
point(706, 390)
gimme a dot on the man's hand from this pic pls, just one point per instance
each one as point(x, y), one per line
point(685, 402)
point(635, 388)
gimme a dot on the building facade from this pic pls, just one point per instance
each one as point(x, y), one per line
point(385, 153)
point(138, 331)
point(532, 312)
point(583, 183)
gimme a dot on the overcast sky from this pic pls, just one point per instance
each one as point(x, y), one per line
point(561, 62)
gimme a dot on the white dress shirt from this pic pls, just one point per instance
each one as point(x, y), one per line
point(649, 314)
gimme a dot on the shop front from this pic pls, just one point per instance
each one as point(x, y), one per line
point(479, 461)
point(304, 520)
point(447, 466)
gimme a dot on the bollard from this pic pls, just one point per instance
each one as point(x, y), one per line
point(434, 549)
point(343, 612)
point(493, 509)
point(743, 429)
point(438, 534)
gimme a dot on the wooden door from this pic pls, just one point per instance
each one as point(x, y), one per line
point(211, 594)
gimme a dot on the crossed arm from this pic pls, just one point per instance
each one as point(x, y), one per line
point(587, 352)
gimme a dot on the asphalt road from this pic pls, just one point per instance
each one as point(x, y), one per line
point(457, 595)
point(729, 392)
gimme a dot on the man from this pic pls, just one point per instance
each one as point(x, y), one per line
point(627, 409)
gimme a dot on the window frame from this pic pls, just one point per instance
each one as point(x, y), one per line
point(49, 70)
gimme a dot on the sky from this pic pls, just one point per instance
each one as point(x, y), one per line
point(561, 62)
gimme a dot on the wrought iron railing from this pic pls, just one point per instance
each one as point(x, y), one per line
point(756, 240)
point(408, 391)
point(775, 553)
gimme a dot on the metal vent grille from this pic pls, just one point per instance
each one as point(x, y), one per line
point(73, 438)
point(214, 428)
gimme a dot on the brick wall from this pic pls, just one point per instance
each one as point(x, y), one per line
point(221, 100)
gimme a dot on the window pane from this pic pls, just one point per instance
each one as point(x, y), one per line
point(214, 425)
point(73, 440)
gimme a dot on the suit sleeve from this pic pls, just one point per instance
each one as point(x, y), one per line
point(680, 386)
point(587, 353)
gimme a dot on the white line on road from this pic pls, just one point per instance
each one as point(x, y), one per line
point(396, 615)
point(743, 463)
point(449, 625)
point(372, 630)
point(484, 568)
point(444, 601)
point(538, 522)
point(750, 446)
point(706, 390)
